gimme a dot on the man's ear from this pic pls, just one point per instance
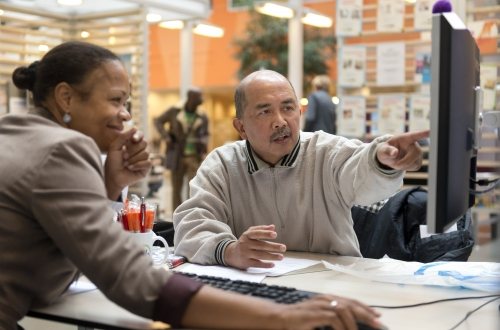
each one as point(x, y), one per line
point(63, 94)
point(238, 125)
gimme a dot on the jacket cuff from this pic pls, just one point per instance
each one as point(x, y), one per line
point(174, 298)
point(220, 249)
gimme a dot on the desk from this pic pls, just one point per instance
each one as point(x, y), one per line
point(92, 309)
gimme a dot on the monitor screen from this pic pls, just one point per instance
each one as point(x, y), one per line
point(453, 121)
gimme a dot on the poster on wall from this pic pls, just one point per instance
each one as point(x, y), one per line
point(420, 107)
point(391, 114)
point(489, 76)
point(422, 67)
point(4, 99)
point(391, 64)
point(422, 15)
point(349, 17)
point(351, 116)
point(352, 66)
point(390, 15)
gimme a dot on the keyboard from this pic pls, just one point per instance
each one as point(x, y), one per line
point(277, 293)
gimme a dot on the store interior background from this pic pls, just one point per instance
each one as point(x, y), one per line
point(155, 58)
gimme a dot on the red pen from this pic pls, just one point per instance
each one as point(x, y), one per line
point(142, 217)
point(174, 261)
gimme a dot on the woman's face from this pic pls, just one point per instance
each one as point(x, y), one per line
point(99, 108)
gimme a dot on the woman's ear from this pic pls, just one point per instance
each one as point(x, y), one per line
point(238, 125)
point(63, 94)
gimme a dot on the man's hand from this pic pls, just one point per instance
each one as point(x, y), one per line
point(252, 249)
point(402, 152)
point(126, 163)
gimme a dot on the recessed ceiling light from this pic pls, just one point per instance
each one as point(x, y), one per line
point(70, 2)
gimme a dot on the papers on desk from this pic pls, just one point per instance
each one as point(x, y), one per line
point(80, 286)
point(252, 274)
point(483, 276)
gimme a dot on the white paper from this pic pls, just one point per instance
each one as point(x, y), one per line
point(391, 114)
point(284, 266)
point(80, 286)
point(281, 267)
point(391, 64)
point(419, 112)
point(349, 17)
point(482, 276)
point(352, 66)
point(489, 76)
point(390, 15)
point(351, 116)
point(422, 15)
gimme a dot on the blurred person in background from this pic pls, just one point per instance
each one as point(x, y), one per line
point(320, 114)
point(185, 132)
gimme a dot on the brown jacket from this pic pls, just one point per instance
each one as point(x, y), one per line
point(55, 221)
point(177, 132)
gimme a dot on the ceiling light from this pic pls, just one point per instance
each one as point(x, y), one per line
point(70, 2)
point(317, 20)
point(43, 48)
point(153, 18)
point(177, 25)
point(208, 30)
point(273, 9)
point(84, 34)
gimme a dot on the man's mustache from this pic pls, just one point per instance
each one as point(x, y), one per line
point(281, 132)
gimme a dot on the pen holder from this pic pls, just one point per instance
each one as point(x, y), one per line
point(158, 254)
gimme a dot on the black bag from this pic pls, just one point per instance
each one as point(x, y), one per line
point(395, 231)
point(164, 229)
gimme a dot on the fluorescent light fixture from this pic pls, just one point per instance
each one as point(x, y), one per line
point(208, 30)
point(273, 9)
point(153, 18)
point(70, 2)
point(176, 25)
point(317, 20)
point(43, 48)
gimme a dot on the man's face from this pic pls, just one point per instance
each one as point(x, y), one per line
point(271, 117)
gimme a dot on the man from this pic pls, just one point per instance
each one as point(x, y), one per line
point(186, 138)
point(320, 114)
point(281, 185)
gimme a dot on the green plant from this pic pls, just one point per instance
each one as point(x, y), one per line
point(265, 46)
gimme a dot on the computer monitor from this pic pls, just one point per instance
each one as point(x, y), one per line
point(455, 96)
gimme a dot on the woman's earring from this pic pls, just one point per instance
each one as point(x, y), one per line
point(66, 118)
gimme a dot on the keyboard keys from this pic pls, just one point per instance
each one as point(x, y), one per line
point(277, 293)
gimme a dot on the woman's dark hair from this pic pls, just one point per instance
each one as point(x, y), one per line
point(69, 62)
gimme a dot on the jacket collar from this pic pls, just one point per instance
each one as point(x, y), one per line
point(254, 163)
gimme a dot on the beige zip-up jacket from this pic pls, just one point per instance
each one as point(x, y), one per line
point(308, 196)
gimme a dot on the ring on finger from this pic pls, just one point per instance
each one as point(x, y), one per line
point(334, 303)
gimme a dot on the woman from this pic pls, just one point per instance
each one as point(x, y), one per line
point(55, 219)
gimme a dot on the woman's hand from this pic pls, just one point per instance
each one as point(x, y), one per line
point(327, 310)
point(127, 162)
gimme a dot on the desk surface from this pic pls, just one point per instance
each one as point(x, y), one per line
point(92, 309)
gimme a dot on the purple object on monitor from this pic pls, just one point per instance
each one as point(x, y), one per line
point(441, 6)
